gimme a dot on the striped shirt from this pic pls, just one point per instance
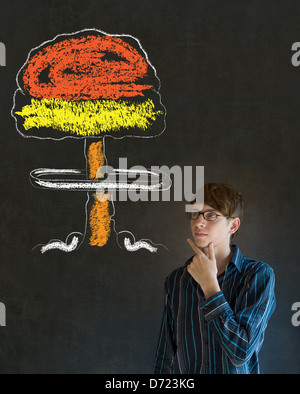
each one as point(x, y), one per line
point(222, 334)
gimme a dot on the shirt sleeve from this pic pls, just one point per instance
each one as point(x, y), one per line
point(166, 347)
point(240, 333)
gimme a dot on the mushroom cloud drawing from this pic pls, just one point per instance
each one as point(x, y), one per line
point(88, 85)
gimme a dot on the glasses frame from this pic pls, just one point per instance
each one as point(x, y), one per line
point(203, 214)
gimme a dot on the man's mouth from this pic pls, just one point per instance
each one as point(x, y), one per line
point(200, 234)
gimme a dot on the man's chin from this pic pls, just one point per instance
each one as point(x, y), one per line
point(201, 243)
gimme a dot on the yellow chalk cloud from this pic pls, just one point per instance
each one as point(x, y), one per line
point(88, 118)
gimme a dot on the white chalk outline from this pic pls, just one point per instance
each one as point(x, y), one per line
point(61, 245)
point(64, 246)
point(138, 245)
point(94, 185)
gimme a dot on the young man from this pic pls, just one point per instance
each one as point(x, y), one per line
point(218, 305)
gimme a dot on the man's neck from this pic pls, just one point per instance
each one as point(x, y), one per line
point(223, 257)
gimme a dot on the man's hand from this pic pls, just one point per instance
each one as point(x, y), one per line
point(203, 268)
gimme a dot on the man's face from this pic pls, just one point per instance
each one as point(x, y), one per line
point(218, 231)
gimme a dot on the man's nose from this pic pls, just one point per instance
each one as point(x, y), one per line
point(201, 222)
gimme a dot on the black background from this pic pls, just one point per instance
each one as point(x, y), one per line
point(232, 99)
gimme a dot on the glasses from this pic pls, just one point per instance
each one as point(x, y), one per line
point(210, 216)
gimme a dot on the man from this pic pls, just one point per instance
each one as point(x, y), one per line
point(218, 305)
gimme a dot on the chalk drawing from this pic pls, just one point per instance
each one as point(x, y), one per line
point(138, 245)
point(64, 246)
point(90, 85)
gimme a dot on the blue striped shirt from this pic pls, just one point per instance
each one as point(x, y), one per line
point(222, 334)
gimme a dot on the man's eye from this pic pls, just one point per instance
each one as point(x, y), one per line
point(211, 215)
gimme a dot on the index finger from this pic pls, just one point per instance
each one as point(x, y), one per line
point(211, 251)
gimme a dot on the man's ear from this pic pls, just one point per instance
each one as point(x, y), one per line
point(234, 226)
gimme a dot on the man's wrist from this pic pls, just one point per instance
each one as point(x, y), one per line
point(211, 289)
point(215, 306)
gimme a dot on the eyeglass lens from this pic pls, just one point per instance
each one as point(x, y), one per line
point(208, 215)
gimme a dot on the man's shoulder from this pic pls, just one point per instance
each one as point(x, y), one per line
point(246, 264)
point(252, 267)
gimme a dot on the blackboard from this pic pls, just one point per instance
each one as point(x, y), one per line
point(232, 100)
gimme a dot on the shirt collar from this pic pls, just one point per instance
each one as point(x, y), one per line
point(237, 257)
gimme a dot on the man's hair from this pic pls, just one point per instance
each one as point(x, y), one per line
point(224, 198)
